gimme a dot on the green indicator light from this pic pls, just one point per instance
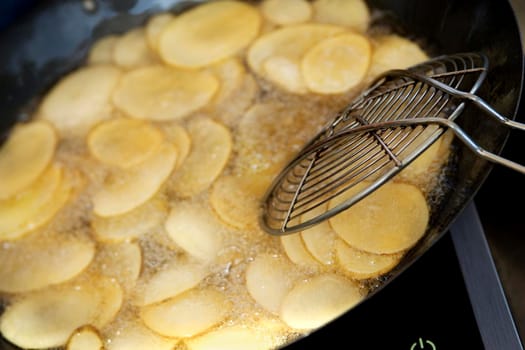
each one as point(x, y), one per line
point(423, 345)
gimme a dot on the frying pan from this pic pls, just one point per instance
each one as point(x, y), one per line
point(54, 37)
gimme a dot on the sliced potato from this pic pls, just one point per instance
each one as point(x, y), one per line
point(173, 281)
point(137, 185)
point(195, 230)
point(337, 64)
point(285, 73)
point(284, 12)
point(132, 50)
point(124, 142)
point(319, 239)
point(229, 338)
point(121, 261)
point(155, 27)
point(200, 36)
point(349, 13)
point(164, 93)
point(232, 109)
point(179, 137)
point(230, 73)
point(81, 99)
point(296, 251)
point(211, 148)
point(360, 264)
point(319, 300)
point(85, 338)
point(132, 224)
point(188, 314)
point(132, 335)
point(25, 155)
point(391, 219)
point(38, 262)
point(102, 50)
point(268, 280)
point(110, 296)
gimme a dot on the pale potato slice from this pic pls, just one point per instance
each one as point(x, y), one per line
point(173, 281)
point(229, 338)
point(85, 338)
point(124, 142)
point(102, 50)
point(179, 137)
point(110, 296)
point(132, 335)
point(195, 230)
point(164, 93)
point(392, 51)
point(131, 225)
point(335, 65)
point(391, 219)
point(211, 148)
point(38, 262)
point(81, 99)
point(296, 251)
point(230, 73)
point(319, 300)
point(132, 50)
point(155, 27)
point(129, 190)
point(285, 48)
point(284, 12)
point(121, 261)
point(360, 264)
point(200, 36)
point(188, 314)
point(268, 280)
point(349, 13)
point(232, 109)
point(319, 239)
point(25, 155)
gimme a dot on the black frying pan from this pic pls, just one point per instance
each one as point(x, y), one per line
point(55, 36)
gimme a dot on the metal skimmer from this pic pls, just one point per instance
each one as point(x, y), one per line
point(376, 136)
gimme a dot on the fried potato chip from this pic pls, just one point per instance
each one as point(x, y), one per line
point(25, 155)
point(120, 261)
point(230, 73)
point(110, 297)
point(319, 239)
point(229, 338)
point(209, 33)
point(164, 93)
point(349, 13)
point(132, 50)
point(179, 137)
point(284, 12)
point(85, 338)
point(296, 251)
point(155, 26)
point(231, 110)
point(102, 50)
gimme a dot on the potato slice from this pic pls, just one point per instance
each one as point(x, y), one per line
point(164, 93)
point(391, 219)
point(232, 110)
point(229, 338)
point(121, 261)
point(38, 262)
point(173, 281)
point(195, 230)
point(393, 51)
point(211, 148)
point(155, 27)
point(25, 155)
point(319, 300)
point(268, 280)
point(179, 137)
point(199, 37)
point(230, 73)
point(85, 338)
point(132, 50)
point(296, 251)
point(132, 335)
point(335, 65)
point(124, 142)
point(131, 225)
point(285, 48)
point(188, 314)
point(131, 189)
point(319, 239)
point(362, 265)
point(284, 12)
point(349, 13)
point(81, 99)
point(102, 50)
point(110, 297)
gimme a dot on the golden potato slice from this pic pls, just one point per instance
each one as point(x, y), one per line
point(102, 50)
point(173, 281)
point(25, 155)
point(38, 262)
point(268, 280)
point(349, 13)
point(296, 251)
point(132, 335)
point(336, 64)
point(128, 190)
point(211, 148)
point(124, 142)
point(195, 230)
point(360, 264)
point(319, 300)
point(132, 50)
point(229, 338)
point(164, 93)
point(155, 27)
point(81, 99)
point(284, 12)
point(391, 219)
point(393, 51)
point(188, 314)
point(209, 33)
point(285, 73)
point(179, 137)
point(121, 261)
point(319, 239)
point(85, 338)
point(131, 225)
